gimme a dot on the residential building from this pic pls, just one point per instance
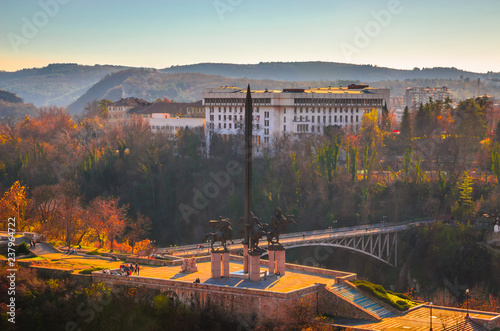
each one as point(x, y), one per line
point(163, 122)
point(135, 108)
point(119, 109)
point(415, 96)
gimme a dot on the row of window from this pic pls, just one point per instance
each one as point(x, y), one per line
point(236, 101)
point(345, 101)
point(318, 119)
point(231, 109)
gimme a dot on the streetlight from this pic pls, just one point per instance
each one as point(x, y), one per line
point(467, 302)
point(430, 316)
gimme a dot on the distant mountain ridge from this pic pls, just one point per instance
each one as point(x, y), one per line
point(56, 84)
point(76, 85)
point(316, 71)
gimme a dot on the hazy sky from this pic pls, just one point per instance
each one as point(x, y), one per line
point(161, 33)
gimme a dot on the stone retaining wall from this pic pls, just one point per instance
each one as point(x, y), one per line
point(251, 305)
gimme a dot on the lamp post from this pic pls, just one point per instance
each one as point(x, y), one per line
point(467, 302)
point(430, 316)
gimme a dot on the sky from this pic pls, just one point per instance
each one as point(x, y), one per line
point(160, 33)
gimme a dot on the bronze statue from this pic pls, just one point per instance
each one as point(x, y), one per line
point(279, 223)
point(223, 234)
point(255, 232)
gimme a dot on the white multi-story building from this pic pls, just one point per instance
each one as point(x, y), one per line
point(415, 96)
point(163, 122)
point(295, 112)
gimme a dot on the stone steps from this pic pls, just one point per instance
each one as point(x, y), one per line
point(362, 301)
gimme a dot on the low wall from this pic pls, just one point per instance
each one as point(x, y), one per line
point(251, 305)
point(298, 267)
point(156, 262)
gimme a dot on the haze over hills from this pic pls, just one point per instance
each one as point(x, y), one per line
point(76, 85)
point(13, 106)
point(56, 84)
point(314, 71)
point(151, 84)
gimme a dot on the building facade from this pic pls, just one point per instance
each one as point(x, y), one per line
point(293, 112)
point(172, 125)
point(415, 96)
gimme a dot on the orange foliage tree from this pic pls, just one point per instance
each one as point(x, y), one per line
point(13, 205)
point(108, 219)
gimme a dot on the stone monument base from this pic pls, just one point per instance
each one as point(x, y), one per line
point(219, 264)
point(254, 267)
point(276, 260)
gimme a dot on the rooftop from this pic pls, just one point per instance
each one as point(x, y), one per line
point(173, 108)
point(351, 89)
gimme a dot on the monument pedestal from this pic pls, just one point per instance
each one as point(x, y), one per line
point(280, 261)
point(272, 263)
point(225, 264)
point(216, 264)
point(245, 258)
point(220, 264)
point(254, 266)
point(276, 260)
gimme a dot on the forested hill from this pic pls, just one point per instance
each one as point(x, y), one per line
point(12, 106)
point(151, 84)
point(9, 97)
point(314, 71)
point(56, 84)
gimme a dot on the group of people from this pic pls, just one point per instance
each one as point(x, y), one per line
point(32, 244)
point(130, 269)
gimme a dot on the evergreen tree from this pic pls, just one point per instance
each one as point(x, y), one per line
point(405, 129)
point(385, 122)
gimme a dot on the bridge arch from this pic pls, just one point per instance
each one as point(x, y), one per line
point(337, 246)
point(381, 246)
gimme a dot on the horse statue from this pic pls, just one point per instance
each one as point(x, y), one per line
point(279, 223)
point(256, 230)
point(223, 234)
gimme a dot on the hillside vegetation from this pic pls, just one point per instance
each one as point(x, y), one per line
point(56, 84)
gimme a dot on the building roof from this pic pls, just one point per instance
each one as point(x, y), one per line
point(130, 102)
point(173, 108)
point(351, 89)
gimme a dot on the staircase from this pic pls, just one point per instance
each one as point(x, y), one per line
point(362, 301)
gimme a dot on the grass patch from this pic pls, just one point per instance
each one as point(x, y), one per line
point(94, 252)
point(399, 301)
point(36, 258)
point(90, 270)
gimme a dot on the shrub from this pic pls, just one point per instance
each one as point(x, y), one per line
point(22, 249)
point(380, 292)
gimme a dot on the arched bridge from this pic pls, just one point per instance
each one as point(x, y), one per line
point(377, 241)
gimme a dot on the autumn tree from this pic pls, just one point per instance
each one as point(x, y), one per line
point(70, 218)
point(46, 202)
point(108, 219)
point(14, 205)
